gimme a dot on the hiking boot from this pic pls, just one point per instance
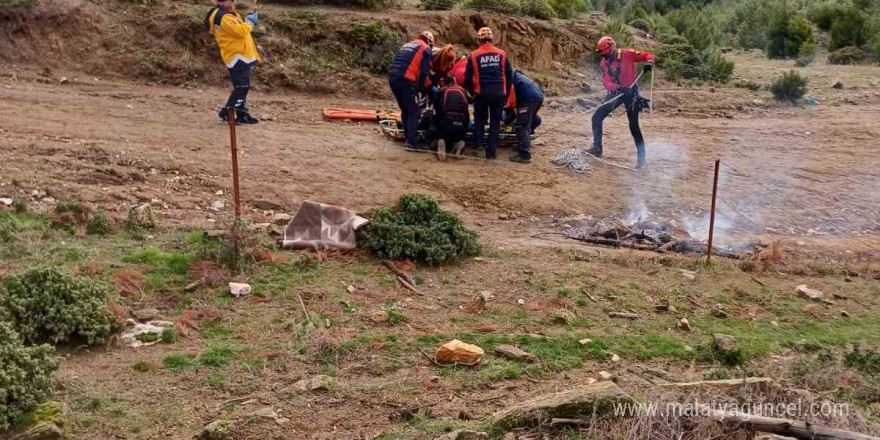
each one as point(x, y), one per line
point(641, 166)
point(441, 149)
point(458, 149)
point(245, 118)
point(517, 157)
point(595, 151)
point(224, 115)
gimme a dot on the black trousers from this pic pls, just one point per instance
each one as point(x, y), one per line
point(632, 113)
point(488, 107)
point(240, 74)
point(526, 121)
point(406, 93)
point(451, 129)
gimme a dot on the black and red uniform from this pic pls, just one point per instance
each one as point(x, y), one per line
point(452, 115)
point(406, 75)
point(488, 76)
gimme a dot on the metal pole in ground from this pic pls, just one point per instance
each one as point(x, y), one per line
point(712, 212)
point(234, 147)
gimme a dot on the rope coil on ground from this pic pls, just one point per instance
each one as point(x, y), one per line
point(574, 159)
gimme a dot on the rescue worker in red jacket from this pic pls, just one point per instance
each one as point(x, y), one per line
point(407, 76)
point(452, 118)
point(488, 77)
point(618, 76)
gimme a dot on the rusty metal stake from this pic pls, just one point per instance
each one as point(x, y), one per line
point(231, 115)
point(712, 212)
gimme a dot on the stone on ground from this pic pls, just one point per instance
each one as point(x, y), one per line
point(511, 352)
point(240, 289)
point(457, 351)
point(461, 434)
point(582, 402)
point(808, 293)
point(725, 343)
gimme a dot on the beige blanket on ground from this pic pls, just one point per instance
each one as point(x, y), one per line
point(322, 227)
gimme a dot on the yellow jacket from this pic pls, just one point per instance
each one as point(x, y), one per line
point(233, 37)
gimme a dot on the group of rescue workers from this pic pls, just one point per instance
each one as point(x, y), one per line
point(434, 89)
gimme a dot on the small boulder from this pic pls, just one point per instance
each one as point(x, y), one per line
point(281, 219)
point(562, 317)
point(380, 316)
point(838, 84)
point(605, 376)
point(615, 357)
point(725, 343)
point(266, 205)
point(580, 402)
point(719, 312)
point(511, 352)
point(269, 413)
point(585, 341)
point(460, 352)
point(217, 206)
point(144, 315)
point(810, 294)
point(684, 324)
point(240, 289)
point(216, 430)
point(320, 382)
point(461, 434)
point(142, 215)
point(486, 296)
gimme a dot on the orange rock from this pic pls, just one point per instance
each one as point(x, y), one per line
point(457, 351)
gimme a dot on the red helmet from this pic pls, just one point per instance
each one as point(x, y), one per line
point(606, 45)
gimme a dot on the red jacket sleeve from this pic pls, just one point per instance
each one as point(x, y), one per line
point(641, 57)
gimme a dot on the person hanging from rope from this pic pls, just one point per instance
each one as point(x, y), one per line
point(619, 76)
point(407, 76)
point(239, 53)
point(488, 77)
point(452, 118)
point(523, 104)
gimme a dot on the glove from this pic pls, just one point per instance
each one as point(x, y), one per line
point(252, 18)
point(648, 68)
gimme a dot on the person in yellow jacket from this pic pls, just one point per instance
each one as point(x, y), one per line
point(239, 53)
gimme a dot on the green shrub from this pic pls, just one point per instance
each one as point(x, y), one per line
point(566, 9)
point(866, 360)
point(848, 29)
point(437, 5)
point(540, 9)
point(696, 25)
point(751, 20)
point(824, 14)
point(746, 84)
point(417, 228)
point(640, 24)
point(47, 304)
point(847, 55)
point(787, 34)
point(9, 8)
point(25, 375)
point(177, 362)
point(719, 68)
point(632, 12)
point(19, 205)
point(373, 46)
point(504, 6)
point(99, 224)
point(789, 87)
point(618, 30)
point(169, 335)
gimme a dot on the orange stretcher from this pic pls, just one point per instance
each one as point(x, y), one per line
point(353, 114)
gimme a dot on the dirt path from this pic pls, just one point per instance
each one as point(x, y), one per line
point(786, 171)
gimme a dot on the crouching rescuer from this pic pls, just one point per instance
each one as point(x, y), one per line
point(452, 118)
point(619, 78)
point(523, 104)
point(407, 76)
point(239, 53)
